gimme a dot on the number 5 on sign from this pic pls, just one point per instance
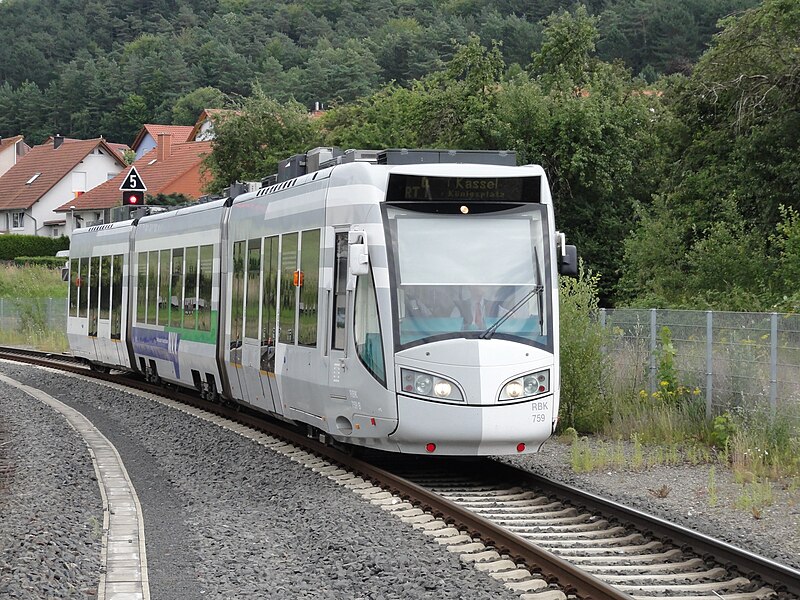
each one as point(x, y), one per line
point(133, 182)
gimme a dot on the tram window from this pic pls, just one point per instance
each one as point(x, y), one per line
point(253, 288)
point(205, 287)
point(309, 287)
point(340, 291)
point(286, 333)
point(269, 309)
point(152, 287)
point(83, 287)
point(176, 288)
point(116, 297)
point(141, 289)
point(190, 291)
point(94, 289)
point(74, 271)
point(105, 287)
point(163, 288)
point(237, 293)
point(366, 330)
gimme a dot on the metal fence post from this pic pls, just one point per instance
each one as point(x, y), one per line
point(653, 336)
point(603, 349)
point(709, 361)
point(773, 362)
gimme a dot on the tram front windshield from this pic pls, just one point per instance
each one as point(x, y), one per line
point(473, 276)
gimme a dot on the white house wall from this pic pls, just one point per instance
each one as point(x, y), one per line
point(8, 159)
point(97, 168)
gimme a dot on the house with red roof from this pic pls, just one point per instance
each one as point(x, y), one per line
point(169, 168)
point(51, 175)
point(203, 129)
point(147, 138)
point(11, 151)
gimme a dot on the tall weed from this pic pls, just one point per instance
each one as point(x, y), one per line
point(585, 404)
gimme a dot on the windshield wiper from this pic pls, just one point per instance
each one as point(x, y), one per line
point(537, 289)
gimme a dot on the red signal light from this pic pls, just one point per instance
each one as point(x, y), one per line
point(430, 447)
point(132, 198)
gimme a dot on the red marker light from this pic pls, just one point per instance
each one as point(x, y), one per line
point(372, 420)
point(430, 447)
point(132, 198)
point(521, 447)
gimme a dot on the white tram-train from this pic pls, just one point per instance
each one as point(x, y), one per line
point(408, 303)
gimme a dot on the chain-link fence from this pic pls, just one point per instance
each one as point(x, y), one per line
point(733, 359)
point(20, 314)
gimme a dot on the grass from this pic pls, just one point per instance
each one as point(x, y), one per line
point(31, 282)
point(654, 421)
point(24, 320)
point(756, 443)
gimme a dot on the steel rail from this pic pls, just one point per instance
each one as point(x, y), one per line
point(780, 577)
point(552, 568)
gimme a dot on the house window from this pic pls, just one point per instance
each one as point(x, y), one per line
point(55, 232)
point(79, 182)
point(17, 220)
point(32, 179)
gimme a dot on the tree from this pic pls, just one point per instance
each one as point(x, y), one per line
point(735, 160)
point(250, 140)
point(338, 74)
point(189, 106)
point(568, 47)
point(786, 242)
point(382, 120)
point(456, 108)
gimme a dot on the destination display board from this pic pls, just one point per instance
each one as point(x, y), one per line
point(420, 188)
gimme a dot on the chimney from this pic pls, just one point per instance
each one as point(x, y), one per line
point(58, 139)
point(164, 146)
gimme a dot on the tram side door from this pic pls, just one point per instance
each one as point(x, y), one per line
point(341, 373)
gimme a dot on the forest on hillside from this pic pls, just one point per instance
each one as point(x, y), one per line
point(89, 68)
point(673, 153)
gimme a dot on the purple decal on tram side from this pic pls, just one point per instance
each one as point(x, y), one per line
point(158, 344)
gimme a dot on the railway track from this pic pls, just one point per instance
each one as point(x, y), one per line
point(634, 552)
point(521, 528)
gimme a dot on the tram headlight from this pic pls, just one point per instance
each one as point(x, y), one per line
point(526, 386)
point(423, 384)
point(429, 386)
point(442, 389)
point(515, 389)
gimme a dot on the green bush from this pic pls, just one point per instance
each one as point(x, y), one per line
point(585, 404)
point(51, 262)
point(12, 246)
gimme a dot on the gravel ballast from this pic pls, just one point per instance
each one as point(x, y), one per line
point(51, 512)
point(228, 518)
point(695, 498)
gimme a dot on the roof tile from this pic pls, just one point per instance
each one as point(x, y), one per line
point(53, 164)
point(157, 176)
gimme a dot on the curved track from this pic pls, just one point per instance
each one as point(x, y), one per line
point(534, 528)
